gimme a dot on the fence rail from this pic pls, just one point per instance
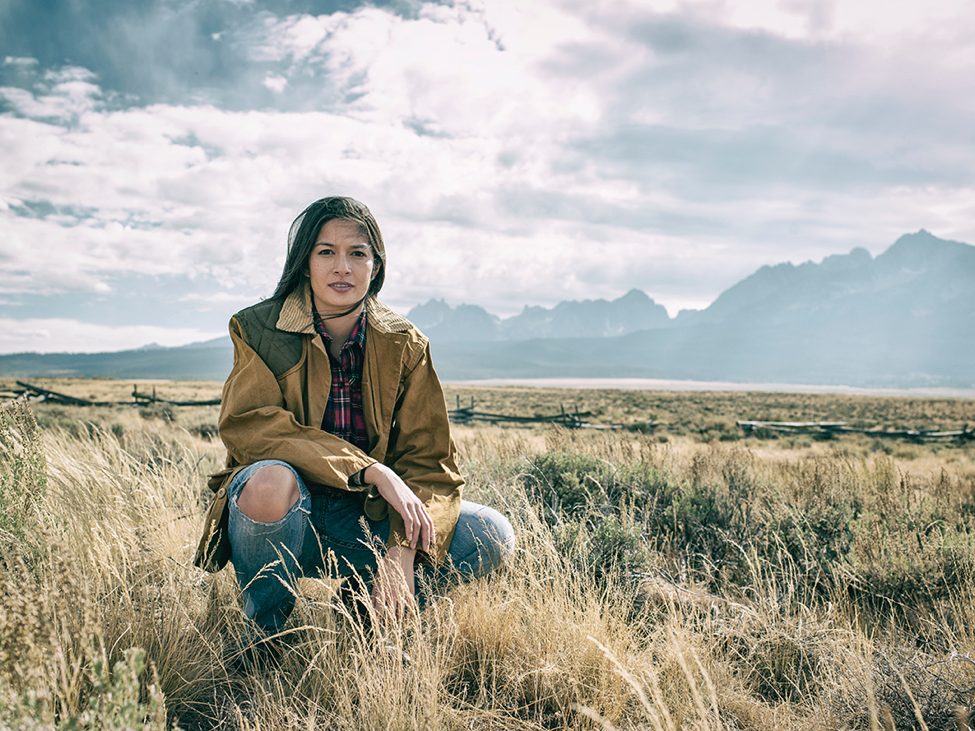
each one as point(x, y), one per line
point(573, 420)
point(829, 429)
point(35, 394)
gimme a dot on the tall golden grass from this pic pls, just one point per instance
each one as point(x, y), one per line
point(681, 585)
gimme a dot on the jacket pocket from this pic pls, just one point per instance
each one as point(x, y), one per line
point(375, 506)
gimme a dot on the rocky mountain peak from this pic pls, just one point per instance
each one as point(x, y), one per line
point(568, 319)
point(922, 251)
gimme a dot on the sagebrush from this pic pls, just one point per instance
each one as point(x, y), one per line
point(688, 584)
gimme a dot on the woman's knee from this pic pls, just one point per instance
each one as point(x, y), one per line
point(504, 535)
point(493, 537)
point(269, 494)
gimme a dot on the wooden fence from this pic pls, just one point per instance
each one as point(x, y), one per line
point(829, 429)
point(574, 420)
point(571, 420)
point(35, 394)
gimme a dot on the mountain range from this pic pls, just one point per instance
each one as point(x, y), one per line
point(905, 318)
point(590, 318)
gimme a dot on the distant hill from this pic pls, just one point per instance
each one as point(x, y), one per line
point(465, 323)
point(209, 361)
point(903, 319)
point(588, 318)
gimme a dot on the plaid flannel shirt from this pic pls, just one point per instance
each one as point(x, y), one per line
point(343, 413)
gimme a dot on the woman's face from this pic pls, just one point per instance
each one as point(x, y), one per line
point(341, 266)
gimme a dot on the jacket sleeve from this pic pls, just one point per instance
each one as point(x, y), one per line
point(422, 453)
point(255, 425)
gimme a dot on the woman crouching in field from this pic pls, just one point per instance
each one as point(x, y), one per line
point(337, 438)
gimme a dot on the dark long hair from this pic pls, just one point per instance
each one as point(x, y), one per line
point(304, 232)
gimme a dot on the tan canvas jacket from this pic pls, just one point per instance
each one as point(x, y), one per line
point(274, 401)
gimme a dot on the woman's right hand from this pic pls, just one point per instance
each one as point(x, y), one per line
point(417, 522)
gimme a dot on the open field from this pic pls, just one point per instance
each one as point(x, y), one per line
point(706, 414)
point(670, 576)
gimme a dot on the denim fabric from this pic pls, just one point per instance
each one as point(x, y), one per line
point(268, 557)
point(482, 542)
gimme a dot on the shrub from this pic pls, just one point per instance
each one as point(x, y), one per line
point(22, 479)
point(115, 702)
point(566, 482)
point(591, 510)
point(164, 411)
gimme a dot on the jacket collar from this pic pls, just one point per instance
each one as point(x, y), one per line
point(296, 314)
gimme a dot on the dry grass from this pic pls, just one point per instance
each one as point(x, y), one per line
point(681, 585)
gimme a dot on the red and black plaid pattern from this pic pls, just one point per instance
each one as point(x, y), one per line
point(343, 414)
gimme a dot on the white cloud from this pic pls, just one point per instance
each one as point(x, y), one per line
point(70, 93)
point(869, 22)
point(275, 83)
point(293, 37)
point(65, 335)
point(19, 61)
point(513, 152)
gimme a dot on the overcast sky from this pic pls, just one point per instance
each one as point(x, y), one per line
point(519, 152)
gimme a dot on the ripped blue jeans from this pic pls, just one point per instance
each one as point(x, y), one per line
point(268, 557)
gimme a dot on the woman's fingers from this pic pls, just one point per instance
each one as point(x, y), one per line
point(422, 527)
point(409, 524)
point(418, 525)
point(426, 529)
point(423, 531)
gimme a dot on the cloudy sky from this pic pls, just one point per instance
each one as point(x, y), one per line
point(514, 152)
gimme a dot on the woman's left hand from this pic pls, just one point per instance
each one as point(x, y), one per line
point(416, 520)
